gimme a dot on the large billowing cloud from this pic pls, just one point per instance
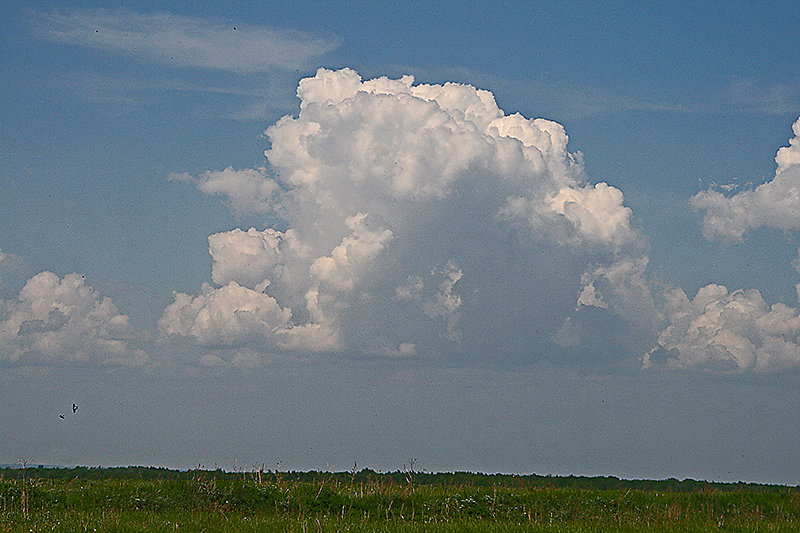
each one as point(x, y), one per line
point(63, 321)
point(774, 204)
point(414, 219)
point(183, 41)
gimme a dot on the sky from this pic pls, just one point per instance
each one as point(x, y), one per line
point(553, 237)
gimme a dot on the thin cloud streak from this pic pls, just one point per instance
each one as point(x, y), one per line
point(568, 100)
point(184, 41)
point(251, 100)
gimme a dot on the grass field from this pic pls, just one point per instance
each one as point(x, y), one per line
point(165, 500)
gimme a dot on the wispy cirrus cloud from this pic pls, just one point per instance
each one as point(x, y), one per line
point(184, 41)
point(772, 97)
point(570, 99)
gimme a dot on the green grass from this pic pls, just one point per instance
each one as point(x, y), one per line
point(209, 501)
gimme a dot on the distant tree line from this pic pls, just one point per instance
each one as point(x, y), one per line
point(366, 476)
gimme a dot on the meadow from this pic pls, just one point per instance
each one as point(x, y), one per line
point(152, 499)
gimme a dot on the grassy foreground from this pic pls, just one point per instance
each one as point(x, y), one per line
point(359, 502)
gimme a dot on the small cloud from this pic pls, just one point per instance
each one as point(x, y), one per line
point(411, 289)
point(774, 204)
point(64, 321)
point(796, 262)
point(9, 263)
point(727, 331)
point(569, 334)
point(245, 191)
point(404, 349)
point(446, 302)
point(182, 177)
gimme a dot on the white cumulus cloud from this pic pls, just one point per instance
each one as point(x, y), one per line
point(729, 331)
point(623, 287)
point(591, 214)
point(774, 204)
point(236, 316)
point(737, 331)
point(446, 302)
point(394, 199)
point(250, 258)
point(247, 190)
point(64, 321)
point(339, 268)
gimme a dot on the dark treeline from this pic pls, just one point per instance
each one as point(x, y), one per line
point(367, 475)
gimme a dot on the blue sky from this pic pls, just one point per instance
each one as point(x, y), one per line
point(475, 228)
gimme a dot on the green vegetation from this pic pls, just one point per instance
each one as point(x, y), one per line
point(137, 499)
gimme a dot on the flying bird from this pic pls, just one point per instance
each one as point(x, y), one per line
point(74, 408)
point(61, 417)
